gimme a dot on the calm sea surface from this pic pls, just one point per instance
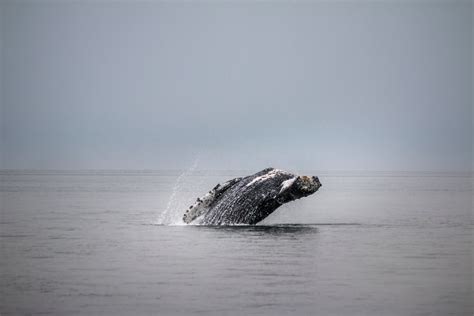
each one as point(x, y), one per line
point(365, 244)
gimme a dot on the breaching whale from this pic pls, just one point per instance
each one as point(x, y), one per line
point(248, 200)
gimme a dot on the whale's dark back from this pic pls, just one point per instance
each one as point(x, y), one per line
point(250, 199)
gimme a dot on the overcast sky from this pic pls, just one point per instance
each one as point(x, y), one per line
point(379, 85)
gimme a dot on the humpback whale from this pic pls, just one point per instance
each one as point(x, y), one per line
point(248, 200)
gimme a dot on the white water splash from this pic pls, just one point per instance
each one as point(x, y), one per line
point(174, 209)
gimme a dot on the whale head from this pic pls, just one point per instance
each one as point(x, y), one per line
point(298, 187)
point(306, 185)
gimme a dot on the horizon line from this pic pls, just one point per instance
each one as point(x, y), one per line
point(223, 170)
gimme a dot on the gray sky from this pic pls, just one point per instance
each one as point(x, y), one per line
point(309, 85)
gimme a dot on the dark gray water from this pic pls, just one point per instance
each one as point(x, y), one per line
point(377, 244)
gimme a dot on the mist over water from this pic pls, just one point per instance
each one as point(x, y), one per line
point(365, 244)
point(333, 85)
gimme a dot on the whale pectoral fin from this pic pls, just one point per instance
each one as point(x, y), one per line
point(203, 203)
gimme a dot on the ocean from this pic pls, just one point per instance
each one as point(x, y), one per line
point(112, 243)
